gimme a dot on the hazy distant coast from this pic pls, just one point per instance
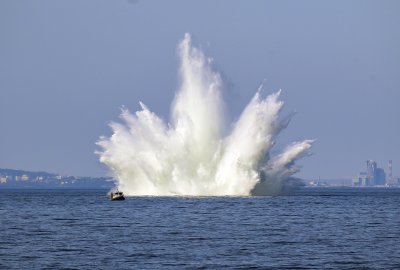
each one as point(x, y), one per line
point(26, 179)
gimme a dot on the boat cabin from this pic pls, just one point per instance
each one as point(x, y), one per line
point(116, 196)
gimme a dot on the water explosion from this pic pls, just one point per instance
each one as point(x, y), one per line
point(190, 155)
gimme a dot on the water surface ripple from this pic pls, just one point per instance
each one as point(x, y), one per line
point(82, 229)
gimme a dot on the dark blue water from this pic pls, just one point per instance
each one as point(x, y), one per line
point(317, 229)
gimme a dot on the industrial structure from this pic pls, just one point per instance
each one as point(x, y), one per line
point(374, 176)
point(390, 180)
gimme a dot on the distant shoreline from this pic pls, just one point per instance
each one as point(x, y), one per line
point(21, 179)
point(354, 187)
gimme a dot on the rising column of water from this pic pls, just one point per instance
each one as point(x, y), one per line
point(190, 156)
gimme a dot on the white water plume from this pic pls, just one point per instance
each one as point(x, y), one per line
point(190, 155)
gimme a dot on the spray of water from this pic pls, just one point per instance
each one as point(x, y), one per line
point(191, 155)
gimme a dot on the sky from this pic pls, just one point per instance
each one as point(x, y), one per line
point(67, 67)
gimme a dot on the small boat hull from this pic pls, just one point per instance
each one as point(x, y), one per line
point(117, 196)
point(118, 199)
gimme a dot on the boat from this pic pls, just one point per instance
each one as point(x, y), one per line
point(117, 196)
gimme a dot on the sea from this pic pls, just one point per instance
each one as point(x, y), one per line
point(314, 228)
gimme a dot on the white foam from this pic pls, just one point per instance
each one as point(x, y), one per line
point(190, 155)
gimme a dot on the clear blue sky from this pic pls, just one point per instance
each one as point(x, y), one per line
point(67, 66)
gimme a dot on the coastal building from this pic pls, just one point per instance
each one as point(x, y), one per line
point(371, 168)
point(391, 181)
point(361, 180)
point(379, 177)
point(3, 179)
point(373, 176)
point(39, 178)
